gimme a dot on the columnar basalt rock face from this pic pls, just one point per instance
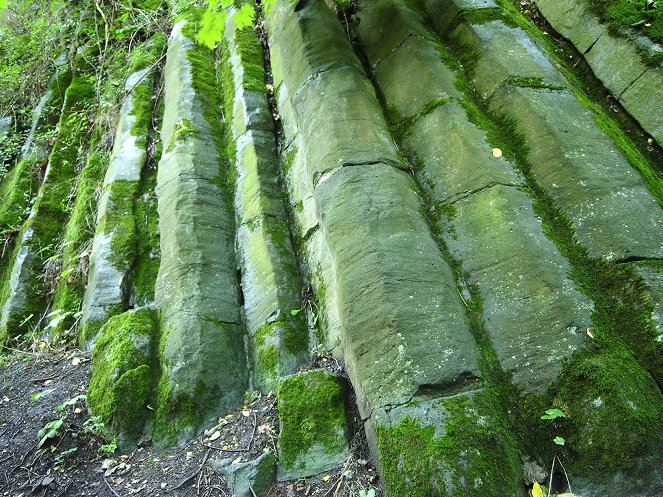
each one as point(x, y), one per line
point(533, 313)
point(619, 61)
point(419, 192)
point(204, 366)
point(24, 292)
point(107, 288)
point(271, 283)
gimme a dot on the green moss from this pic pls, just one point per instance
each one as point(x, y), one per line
point(177, 414)
point(251, 54)
point(630, 14)
point(601, 394)
point(484, 16)
point(276, 343)
point(147, 53)
point(531, 82)
point(471, 455)
point(77, 241)
point(122, 378)
point(52, 207)
point(148, 256)
point(312, 412)
point(17, 189)
point(121, 222)
point(593, 96)
point(268, 360)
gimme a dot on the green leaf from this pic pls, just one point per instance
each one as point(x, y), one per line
point(3, 4)
point(244, 16)
point(553, 414)
point(39, 395)
point(294, 312)
point(537, 491)
point(49, 431)
point(559, 440)
point(211, 28)
point(70, 402)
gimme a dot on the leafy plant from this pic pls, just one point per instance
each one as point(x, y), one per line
point(50, 430)
point(39, 395)
point(553, 414)
point(60, 458)
point(108, 448)
point(93, 425)
point(70, 402)
point(214, 20)
point(367, 493)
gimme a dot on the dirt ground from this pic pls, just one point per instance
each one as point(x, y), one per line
point(71, 457)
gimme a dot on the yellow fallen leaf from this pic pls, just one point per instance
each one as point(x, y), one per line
point(536, 490)
point(497, 152)
point(326, 478)
point(214, 436)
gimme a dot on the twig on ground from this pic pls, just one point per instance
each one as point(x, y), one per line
point(110, 488)
point(567, 476)
point(195, 473)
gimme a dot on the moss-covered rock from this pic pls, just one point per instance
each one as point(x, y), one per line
point(122, 383)
point(457, 445)
point(313, 434)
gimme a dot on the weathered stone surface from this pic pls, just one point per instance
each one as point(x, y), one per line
point(6, 124)
point(400, 321)
point(406, 95)
point(613, 214)
point(22, 278)
point(270, 278)
point(129, 150)
point(197, 286)
point(313, 434)
point(453, 155)
point(643, 102)
point(106, 291)
point(257, 189)
point(445, 13)
point(308, 43)
point(385, 26)
point(652, 274)
point(616, 60)
point(535, 316)
point(122, 386)
point(350, 131)
point(404, 324)
point(46, 112)
point(530, 305)
point(506, 52)
point(573, 20)
point(250, 478)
